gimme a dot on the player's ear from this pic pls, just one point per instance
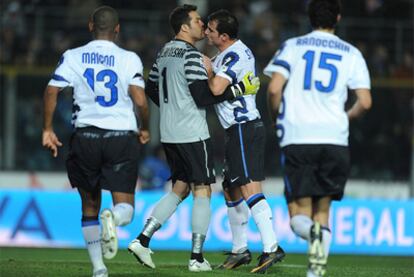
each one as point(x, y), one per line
point(184, 28)
point(91, 27)
point(117, 29)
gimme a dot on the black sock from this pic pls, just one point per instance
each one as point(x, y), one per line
point(198, 257)
point(144, 240)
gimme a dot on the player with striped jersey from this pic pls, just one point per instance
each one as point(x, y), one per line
point(312, 124)
point(107, 83)
point(244, 148)
point(178, 84)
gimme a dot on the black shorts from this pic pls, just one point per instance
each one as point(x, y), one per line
point(315, 170)
point(103, 159)
point(244, 154)
point(191, 162)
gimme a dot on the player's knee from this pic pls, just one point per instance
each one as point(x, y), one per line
point(123, 213)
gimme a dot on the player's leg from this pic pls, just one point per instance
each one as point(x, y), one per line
point(162, 211)
point(245, 158)
point(300, 211)
point(332, 173)
point(119, 172)
point(199, 169)
point(91, 202)
point(321, 215)
point(200, 220)
point(120, 215)
point(164, 208)
point(238, 214)
point(83, 166)
point(262, 215)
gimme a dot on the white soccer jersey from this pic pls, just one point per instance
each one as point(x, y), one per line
point(320, 67)
point(233, 63)
point(100, 73)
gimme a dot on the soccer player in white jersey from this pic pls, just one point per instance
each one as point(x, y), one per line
point(178, 84)
point(312, 125)
point(245, 145)
point(107, 83)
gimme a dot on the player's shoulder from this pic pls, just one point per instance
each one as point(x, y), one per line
point(351, 49)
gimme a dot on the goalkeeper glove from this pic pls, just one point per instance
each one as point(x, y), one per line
point(249, 85)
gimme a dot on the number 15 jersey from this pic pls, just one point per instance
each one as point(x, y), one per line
point(319, 67)
point(100, 73)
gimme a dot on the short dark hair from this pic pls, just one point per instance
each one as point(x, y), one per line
point(104, 19)
point(324, 13)
point(180, 16)
point(226, 23)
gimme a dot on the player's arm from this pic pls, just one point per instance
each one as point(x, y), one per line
point(275, 90)
point(138, 96)
point(151, 89)
point(49, 138)
point(218, 84)
point(203, 96)
point(361, 105)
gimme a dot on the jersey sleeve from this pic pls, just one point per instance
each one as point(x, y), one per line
point(281, 61)
point(193, 67)
point(137, 72)
point(154, 74)
point(359, 77)
point(230, 66)
point(63, 75)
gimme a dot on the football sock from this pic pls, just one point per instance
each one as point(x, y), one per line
point(151, 226)
point(200, 218)
point(197, 247)
point(200, 221)
point(123, 213)
point(301, 225)
point(90, 231)
point(161, 212)
point(326, 240)
point(197, 256)
point(166, 207)
point(238, 214)
point(262, 215)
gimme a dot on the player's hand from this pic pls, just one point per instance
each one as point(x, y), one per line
point(144, 136)
point(51, 141)
point(208, 65)
point(249, 85)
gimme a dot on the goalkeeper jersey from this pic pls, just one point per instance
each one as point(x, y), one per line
point(319, 67)
point(100, 73)
point(178, 65)
point(233, 63)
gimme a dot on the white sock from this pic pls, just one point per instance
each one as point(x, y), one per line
point(263, 217)
point(90, 230)
point(326, 240)
point(123, 213)
point(301, 225)
point(238, 219)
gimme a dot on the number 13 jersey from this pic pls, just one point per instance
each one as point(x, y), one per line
point(319, 67)
point(100, 73)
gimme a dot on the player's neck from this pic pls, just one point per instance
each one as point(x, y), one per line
point(226, 45)
point(185, 38)
point(105, 37)
point(331, 31)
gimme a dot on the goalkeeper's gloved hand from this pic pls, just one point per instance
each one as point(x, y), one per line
point(249, 85)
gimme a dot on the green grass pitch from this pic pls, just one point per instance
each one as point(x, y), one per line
point(75, 262)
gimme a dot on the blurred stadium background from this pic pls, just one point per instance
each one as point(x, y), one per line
point(37, 206)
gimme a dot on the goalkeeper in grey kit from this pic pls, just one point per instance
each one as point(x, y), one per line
point(178, 83)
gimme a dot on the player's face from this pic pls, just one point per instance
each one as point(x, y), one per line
point(212, 33)
point(196, 26)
